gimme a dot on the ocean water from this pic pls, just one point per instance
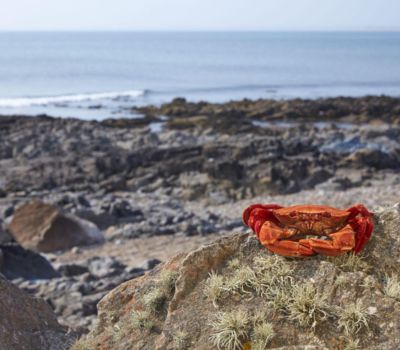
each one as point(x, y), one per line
point(99, 75)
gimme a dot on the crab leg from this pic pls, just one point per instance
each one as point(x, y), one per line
point(341, 242)
point(270, 235)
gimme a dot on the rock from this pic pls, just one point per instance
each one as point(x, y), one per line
point(373, 158)
point(145, 314)
point(100, 218)
point(70, 270)
point(104, 266)
point(28, 323)
point(122, 209)
point(45, 228)
point(4, 236)
point(8, 211)
point(149, 264)
point(75, 294)
point(21, 263)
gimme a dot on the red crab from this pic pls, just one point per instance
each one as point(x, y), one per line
point(286, 231)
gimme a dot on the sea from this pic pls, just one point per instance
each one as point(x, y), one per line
point(98, 75)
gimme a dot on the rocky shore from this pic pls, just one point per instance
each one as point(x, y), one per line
point(176, 178)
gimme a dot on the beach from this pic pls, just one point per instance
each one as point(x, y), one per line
point(181, 174)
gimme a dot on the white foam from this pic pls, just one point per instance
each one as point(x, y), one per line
point(48, 100)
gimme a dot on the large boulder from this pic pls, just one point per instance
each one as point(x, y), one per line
point(234, 294)
point(43, 227)
point(28, 323)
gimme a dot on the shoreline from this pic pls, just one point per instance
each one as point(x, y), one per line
point(154, 193)
point(328, 107)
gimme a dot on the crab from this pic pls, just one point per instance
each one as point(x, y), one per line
point(305, 230)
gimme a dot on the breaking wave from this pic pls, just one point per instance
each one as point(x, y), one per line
point(15, 102)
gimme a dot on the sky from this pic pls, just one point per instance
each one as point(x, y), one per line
point(199, 15)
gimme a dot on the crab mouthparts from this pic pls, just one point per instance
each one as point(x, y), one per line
point(299, 236)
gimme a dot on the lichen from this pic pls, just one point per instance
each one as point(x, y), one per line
point(391, 287)
point(230, 329)
point(307, 306)
point(214, 288)
point(353, 317)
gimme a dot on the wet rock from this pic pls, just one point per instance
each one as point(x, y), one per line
point(45, 228)
point(30, 324)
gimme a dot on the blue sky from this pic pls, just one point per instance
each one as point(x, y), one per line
point(200, 15)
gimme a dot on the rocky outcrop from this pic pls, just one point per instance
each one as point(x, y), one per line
point(340, 108)
point(28, 323)
point(233, 293)
point(43, 227)
point(237, 150)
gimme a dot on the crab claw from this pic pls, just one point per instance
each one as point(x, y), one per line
point(255, 215)
point(361, 221)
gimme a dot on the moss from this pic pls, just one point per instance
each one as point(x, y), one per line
point(307, 306)
point(230, 329)
point(353, 317)
point(214, 288)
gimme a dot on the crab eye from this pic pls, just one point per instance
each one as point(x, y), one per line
point(292, 214)
point(326, 214)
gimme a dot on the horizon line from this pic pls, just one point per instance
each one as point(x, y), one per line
point(287, 30)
